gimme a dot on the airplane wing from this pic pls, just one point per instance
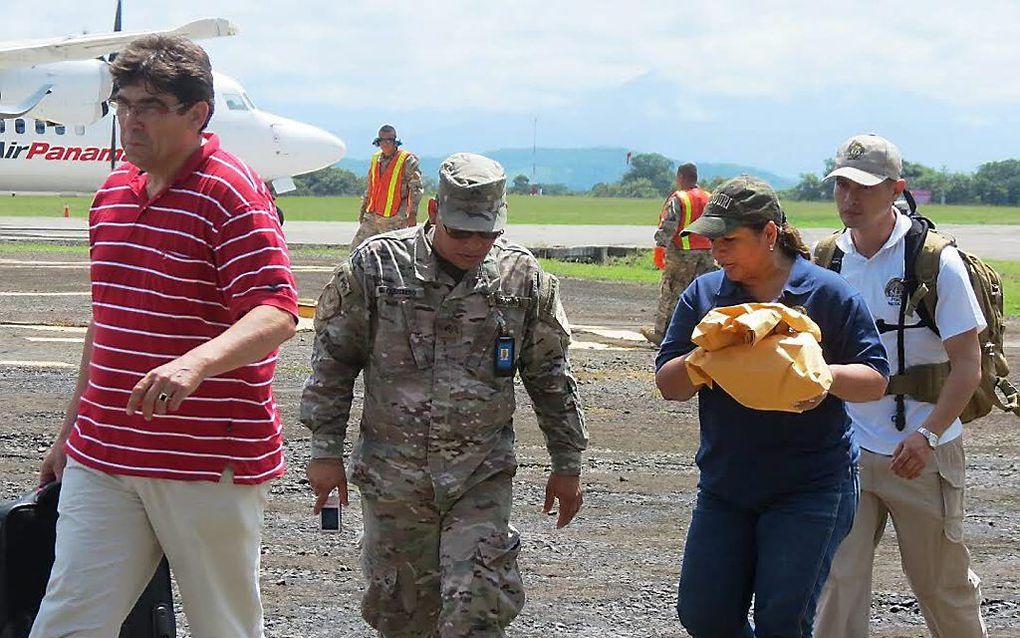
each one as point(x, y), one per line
point(17, 110)
point(83, 47)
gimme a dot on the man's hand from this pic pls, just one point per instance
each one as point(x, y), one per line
point(911, 456)
point(567, 490)
point(412, 220)
point(165, 388)
point(325, 475)
point(52, 468)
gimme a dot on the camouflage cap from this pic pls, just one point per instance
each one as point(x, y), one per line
point(472, 193)
point(868, 160)
point(741, 201)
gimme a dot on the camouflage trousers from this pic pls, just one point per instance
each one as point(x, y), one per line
point(448, 574)
point(372, 224)
point(682, 267)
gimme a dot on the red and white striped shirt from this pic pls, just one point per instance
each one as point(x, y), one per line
point(167, 275)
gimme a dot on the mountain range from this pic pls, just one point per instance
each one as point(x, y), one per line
point(578, 168)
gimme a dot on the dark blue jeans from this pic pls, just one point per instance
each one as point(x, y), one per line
point(780, 554)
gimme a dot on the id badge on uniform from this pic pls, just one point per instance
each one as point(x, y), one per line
point(505, 356)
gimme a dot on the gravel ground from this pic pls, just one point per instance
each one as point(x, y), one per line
point(611, 573)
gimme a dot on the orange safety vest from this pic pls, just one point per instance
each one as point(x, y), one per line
point(384, 187)
point(692, 204)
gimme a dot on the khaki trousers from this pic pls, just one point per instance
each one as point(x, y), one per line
point(372, 224)
point(927, 513)
point(112, 531)
point(682, 267)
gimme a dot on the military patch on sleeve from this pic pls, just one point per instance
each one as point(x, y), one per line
point(329, 302)
point(343, 282)
point(549, 306)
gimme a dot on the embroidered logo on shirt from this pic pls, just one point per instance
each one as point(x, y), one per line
point(894, 291)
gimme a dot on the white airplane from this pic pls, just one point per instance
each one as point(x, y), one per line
point(57, 128)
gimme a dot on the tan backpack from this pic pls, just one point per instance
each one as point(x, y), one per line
point(922, 253)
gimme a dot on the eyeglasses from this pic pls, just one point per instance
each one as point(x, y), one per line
point(146, 109)
point(464, 235)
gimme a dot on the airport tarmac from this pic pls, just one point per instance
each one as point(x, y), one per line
point(987, 241)
point(610, 573)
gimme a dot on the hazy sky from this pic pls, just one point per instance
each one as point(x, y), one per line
point(777, 87)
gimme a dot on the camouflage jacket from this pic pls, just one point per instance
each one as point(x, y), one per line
point(437, 419)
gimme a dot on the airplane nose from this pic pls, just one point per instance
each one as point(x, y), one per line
point(308, 148)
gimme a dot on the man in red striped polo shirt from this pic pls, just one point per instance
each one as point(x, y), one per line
point(172, 433)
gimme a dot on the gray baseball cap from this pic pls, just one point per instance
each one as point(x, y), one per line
point(868, 160)
point(741, 201)
point(472, 193)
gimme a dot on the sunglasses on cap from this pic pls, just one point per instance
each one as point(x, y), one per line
point(464, 235)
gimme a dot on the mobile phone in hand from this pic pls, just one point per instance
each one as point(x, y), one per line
point(329, 520)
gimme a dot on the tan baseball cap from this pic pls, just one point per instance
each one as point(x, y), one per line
point(472, 193)
point(868, 160)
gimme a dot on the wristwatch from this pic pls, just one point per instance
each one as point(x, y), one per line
point(933, 439)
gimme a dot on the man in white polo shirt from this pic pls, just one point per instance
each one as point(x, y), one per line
point(912, 465)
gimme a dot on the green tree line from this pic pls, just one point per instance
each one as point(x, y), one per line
point(652, 175)
point(995, 183)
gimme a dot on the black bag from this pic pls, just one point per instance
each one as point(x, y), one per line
point(27, 537)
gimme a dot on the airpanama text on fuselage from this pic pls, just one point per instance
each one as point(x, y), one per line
point(56, 153)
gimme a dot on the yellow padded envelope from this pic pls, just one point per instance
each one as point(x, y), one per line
point(765, 355)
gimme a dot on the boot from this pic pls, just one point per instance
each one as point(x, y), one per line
point(651, 335)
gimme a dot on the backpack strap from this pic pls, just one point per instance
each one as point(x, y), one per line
point(922, 254)
point(913, 244)
point(1008, 397)
point(828, 254)
point(925, 244)
point(915, 288)
point(911, 202)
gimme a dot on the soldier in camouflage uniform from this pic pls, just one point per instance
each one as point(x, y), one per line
point(438, 319)
point(686, 258)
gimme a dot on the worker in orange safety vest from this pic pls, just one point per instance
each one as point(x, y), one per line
point(681, 259)
point(394, 189)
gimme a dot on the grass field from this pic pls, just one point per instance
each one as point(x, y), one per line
point(1010, 271)
point(635, 268)
point(536, 210)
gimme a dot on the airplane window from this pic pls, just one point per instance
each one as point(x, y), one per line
point(247, 100)
point(19, 126)
point(79, 129)
point(3, 125)
point(40, 127)
point(60, 129)
point(235, 102)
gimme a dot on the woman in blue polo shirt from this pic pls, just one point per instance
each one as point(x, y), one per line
point(778, 490)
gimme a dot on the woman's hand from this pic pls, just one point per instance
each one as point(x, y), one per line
point(810, 404)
